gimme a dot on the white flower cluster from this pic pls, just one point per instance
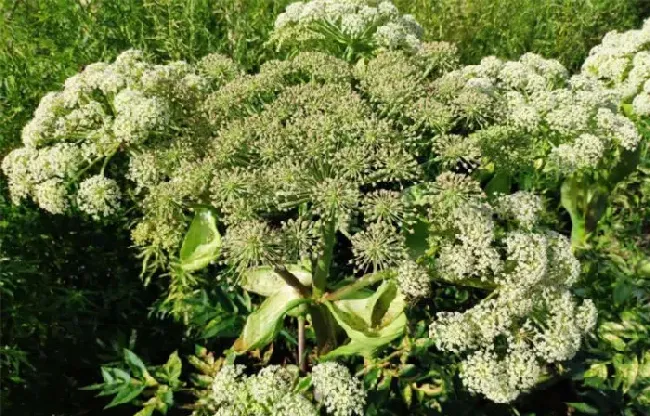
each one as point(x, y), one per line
point(268, 393)
point(621, 63)
point(271, 392)
point(98, 196)
point(531, 319)
point(521, 109)
point(339, 392)
point(383, 25)
point(106, 111)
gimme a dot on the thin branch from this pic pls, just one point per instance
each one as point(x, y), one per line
point(302, 362)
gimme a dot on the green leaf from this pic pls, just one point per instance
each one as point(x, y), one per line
point(416, 239)
point(265, 282)
point(223, 327)
point(584, 408)
point(622, 291)
point(135, 363)
point(304, 384)
point(616, 342)
point(628, 163)
point(570, 196)
point(263, 325)
point(626, 373)
point(324, 326)
point(596, 375)
point(499, 184)
point(202, 243)
point(147, 410)
point(125, 395)
point(171, 371)
point(370, 323)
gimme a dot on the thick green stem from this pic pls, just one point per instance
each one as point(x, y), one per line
point(322, 265)
point(364, 281)
point(578, 232)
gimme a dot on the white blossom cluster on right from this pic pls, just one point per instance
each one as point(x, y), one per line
point(621, 64)
point(531, 319)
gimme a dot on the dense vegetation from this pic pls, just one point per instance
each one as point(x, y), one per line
point(417, 135)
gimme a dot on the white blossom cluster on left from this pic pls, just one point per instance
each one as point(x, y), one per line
point(74, 142)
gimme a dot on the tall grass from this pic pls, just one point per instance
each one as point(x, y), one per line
point(562, 29)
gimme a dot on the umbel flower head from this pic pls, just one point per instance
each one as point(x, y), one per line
point(515, 116)
point(272, 392)
point(106, 113)
point(346, 28)
point(621, 64)
point(531, 319)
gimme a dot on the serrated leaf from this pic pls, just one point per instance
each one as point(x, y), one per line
point(126, 394)
point(265, 282)
point(135, 363)
point(263, 325)
point(171, 371)
point(202, 243)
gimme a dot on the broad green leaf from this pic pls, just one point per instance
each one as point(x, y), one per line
point(622, 291)
point(202, 243)
point(263, 325)
point(265, 282)
point(499, 184)
point(227, 326)
point(324, 326)
point(570, 195)
point(416, 239)
point(626, 373)
point(171, 371)
point(628, 164)
point(616, 342)
point(595, 375)
point(125, 395)
point(407, 394)
point(370, 323)
point(135, 363)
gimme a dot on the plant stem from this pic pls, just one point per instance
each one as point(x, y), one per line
point(322, 265)
point(302, 363)
point(364, 281)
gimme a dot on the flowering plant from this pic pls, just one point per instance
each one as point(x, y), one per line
point(334, 193)
point(350, 29)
